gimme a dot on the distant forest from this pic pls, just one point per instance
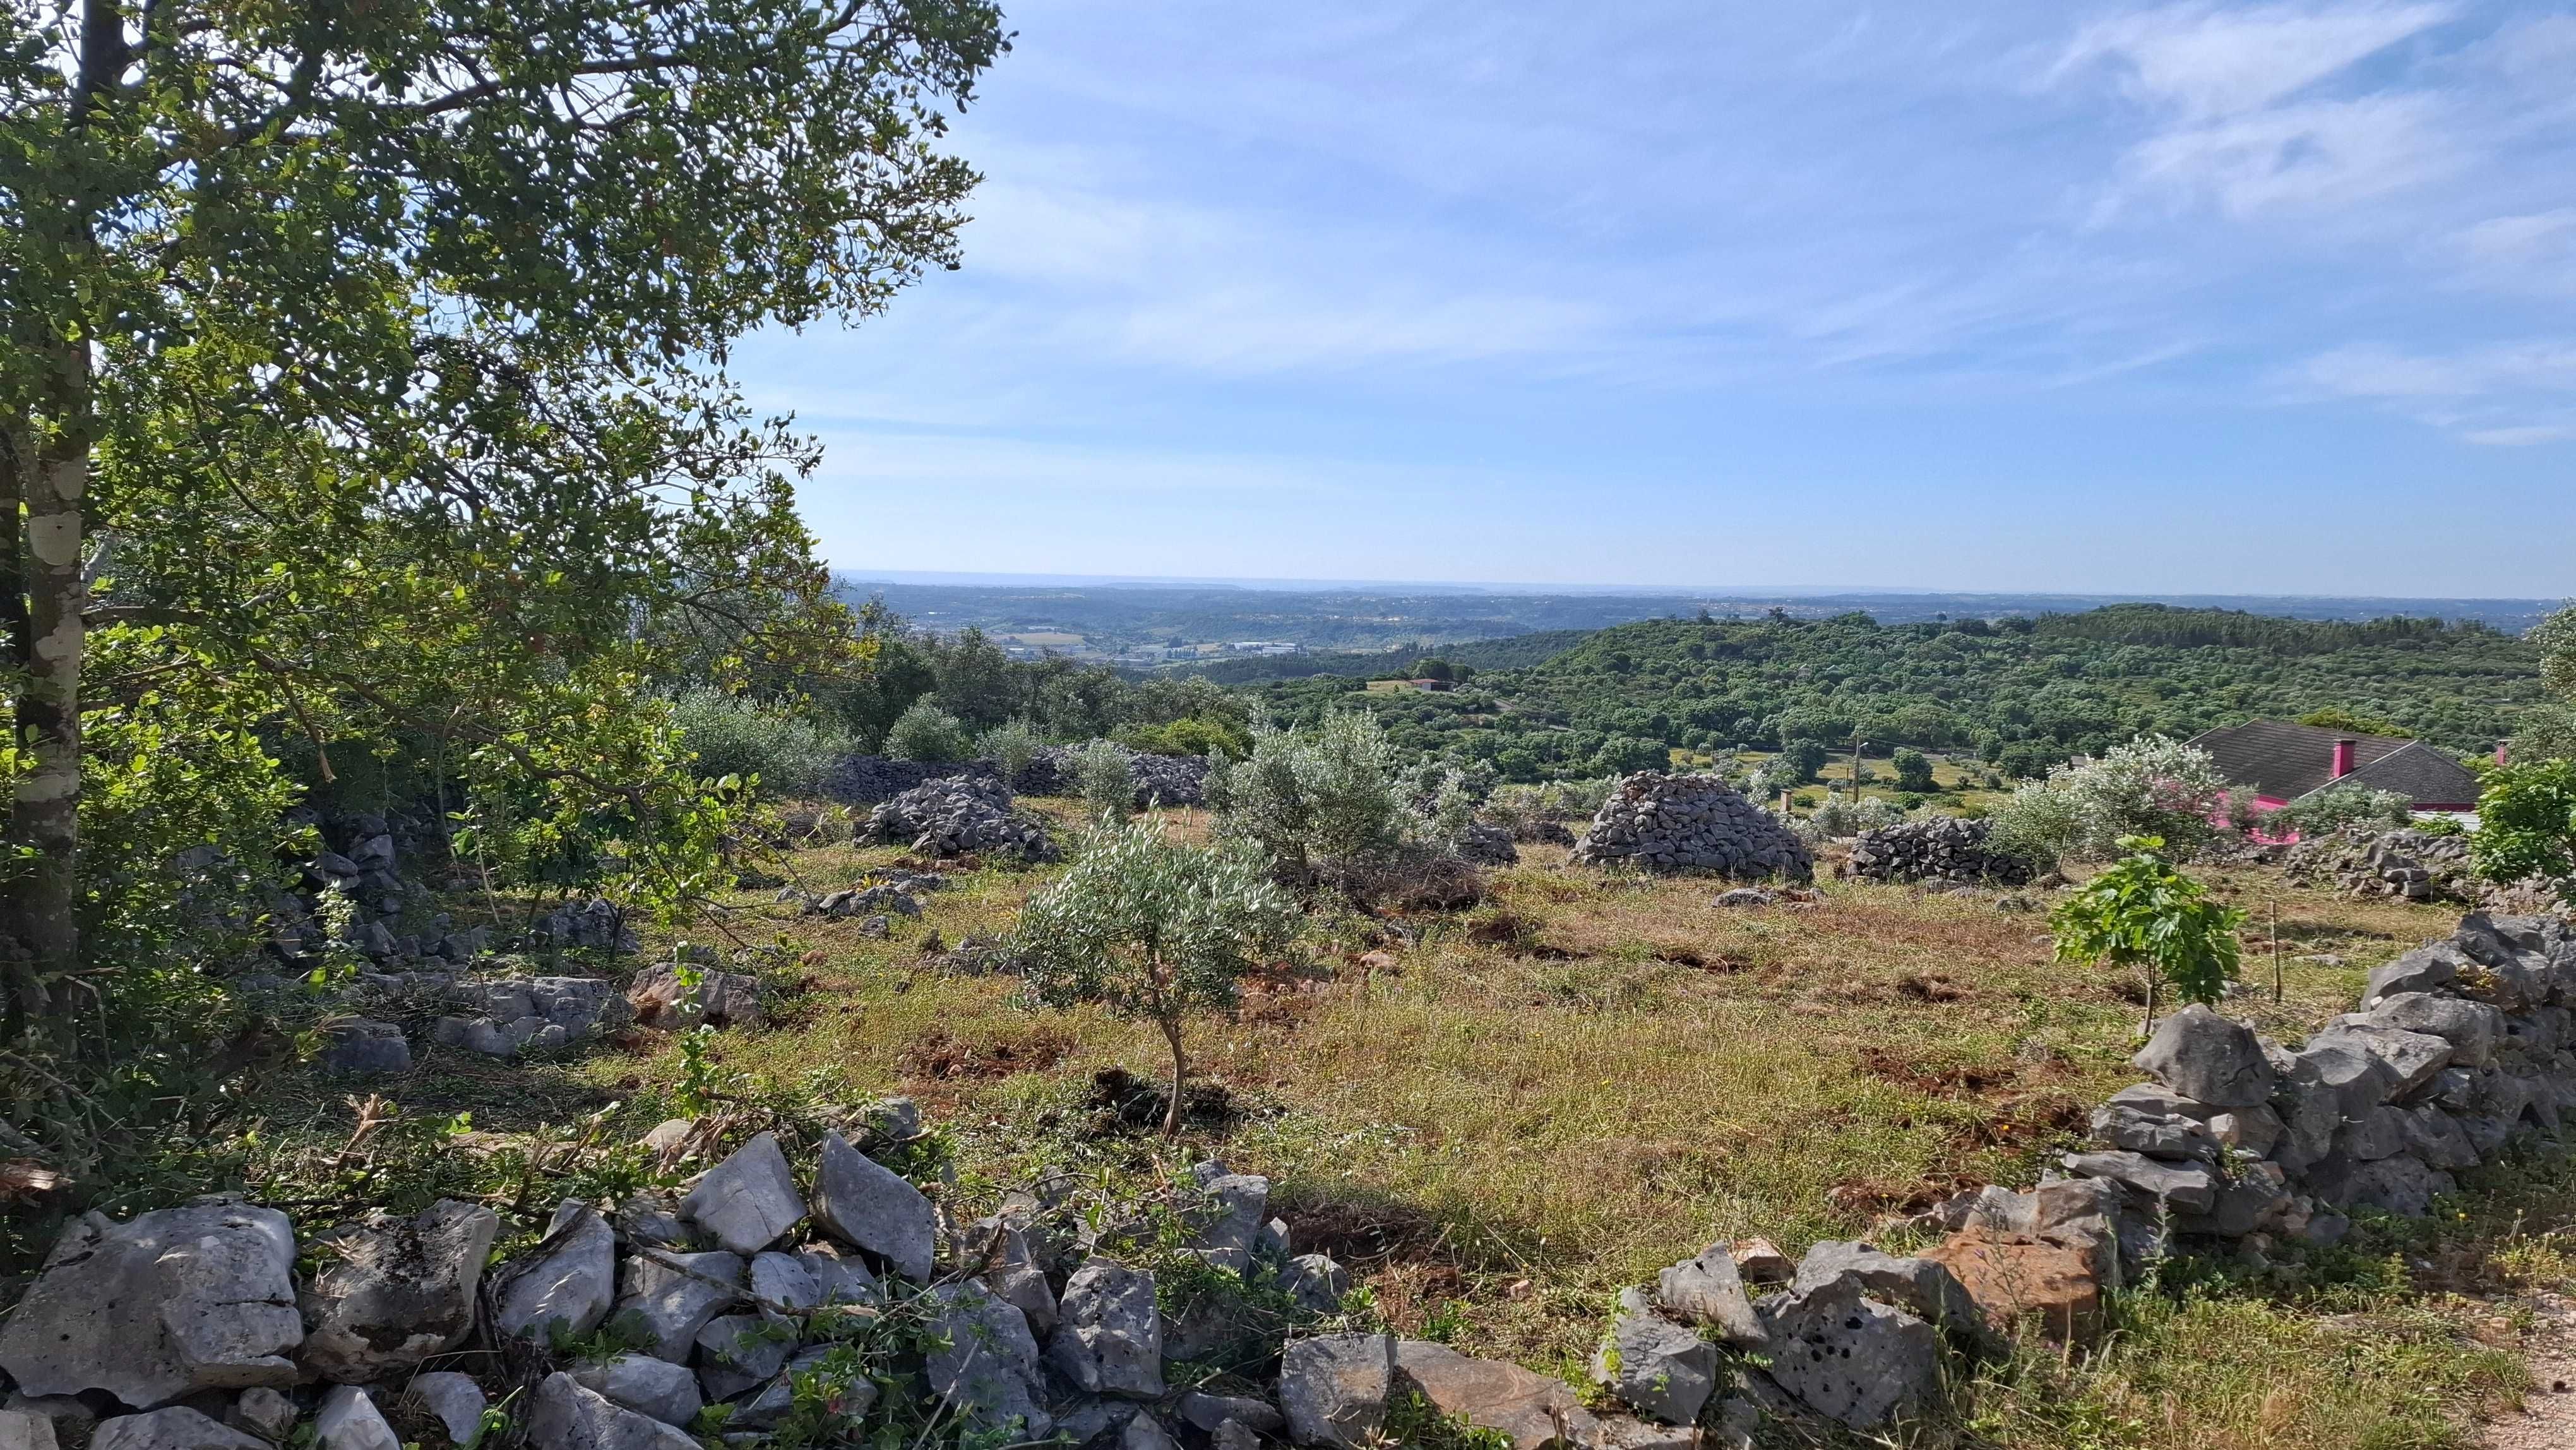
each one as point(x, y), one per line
point(2021, 693)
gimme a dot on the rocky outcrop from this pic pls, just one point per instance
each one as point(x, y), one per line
point(960, 816)
point(510, 1015)
point(1669, 823)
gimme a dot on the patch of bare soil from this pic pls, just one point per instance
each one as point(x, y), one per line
point(2547, 1418)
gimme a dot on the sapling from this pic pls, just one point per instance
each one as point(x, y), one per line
point(1153, 930)
point(2143, 912)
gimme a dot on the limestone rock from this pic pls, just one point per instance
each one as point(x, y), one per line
point(566, 1284)
point(656, 1387)
point(1110, 1340)
point(393, 1292)
point(564, 1416)
point(453, 1399)
point(264, 1411)
point(26, 1430)
point(2120, 1127)
point(872, 1208)
point(361, 1048)
point(1850, 1358)
point(2425, 969)
point(1144, 1432)
point(749, 1201)
point(172, 1429)
point(2204, 1056)
point(2472, 1028)
point(1667, 823)
point(2016, 1276)
point(737, 1352)
point(1228, 1220)
point(1658, 1368)
point(989, 1371)
point(163, 1305)
point(2408, 1060)
point(1761, 1262)
point(2166, 1187)
point(1922, 1287)
point(1208, 1412)
point(1334, 1388)
point(348, 1420)
point(672, 1296)
point(1709, 1291)
point(1492, 1395)
point(1316, 1281)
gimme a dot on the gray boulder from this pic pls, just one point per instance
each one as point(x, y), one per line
point(1208, 1412)
point(1851, 1358)
point(988, 1372)
point(738, 1351)
point(172, 1429)
point(2124, 1128)
point(2401, 1185)
point(361, 1048)
point(565, 1285)
point(264, 1411)
point(2410, 1060)
point(392, 1292)
point(1317, 1282)
point(871, 1208)
point(2472, 1028)
point(648, 1386)
point(1227, 1221)
point(1530, 1410)
point(1334, 1388)
point(1110, 1338)
point(348, 1420)
point(1661, 1370)
point(2166, 1187)
point(2204, 1056)
point(1709, 1291)
point(166, 1304)
point(453, 1399)
point(749, 1201)
point(838, 1277)
point(782, 1282)
point(1921, 1287)
point(1144, 1432)
point(2425, 969)
point(564, 1416)
point(1012, 1271)
point(2435, 1137)
point(672, 1296)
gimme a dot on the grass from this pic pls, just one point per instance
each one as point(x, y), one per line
point(1499, 1118)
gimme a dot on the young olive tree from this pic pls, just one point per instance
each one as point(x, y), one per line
point(2143, 912)
point(1153, 930)
point(1106, 779)
point(2527, 824)
point(1307, 799)
point(926, 732)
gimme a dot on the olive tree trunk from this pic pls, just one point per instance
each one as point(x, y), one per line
point(1180, 1076)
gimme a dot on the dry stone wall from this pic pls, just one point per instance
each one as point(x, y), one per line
point(1939, 848)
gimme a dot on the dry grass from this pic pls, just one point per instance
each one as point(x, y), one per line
point(1499, 1118)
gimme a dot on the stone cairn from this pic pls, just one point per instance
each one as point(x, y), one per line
point(1669, 823)
point(1941, 848)
point(958, 816)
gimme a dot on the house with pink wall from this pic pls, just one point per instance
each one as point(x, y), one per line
point(2281, 762)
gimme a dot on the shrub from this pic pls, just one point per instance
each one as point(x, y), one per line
point(2151, 786)
point(2527, 822)
point(1153, 930)
point(1914, 771)
point(2338, 806)
point(1842, 816)
point(1010, 745)
point(1191, 736)
point(1305, 798)
point(1105, 779)
point(927, 733)
point(730, 735)
point(2143, 912)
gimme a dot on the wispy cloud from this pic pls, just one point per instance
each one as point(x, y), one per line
point(2208, 62)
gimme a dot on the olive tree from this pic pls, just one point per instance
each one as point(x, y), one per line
point(2151, 786)
point(1309, 798)
point(1152, 929)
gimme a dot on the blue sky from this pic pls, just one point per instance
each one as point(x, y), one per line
point(2033, 296)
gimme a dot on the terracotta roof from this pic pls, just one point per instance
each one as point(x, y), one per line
point(2286, 761)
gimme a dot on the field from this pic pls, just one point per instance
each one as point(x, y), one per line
point(1499, 1118)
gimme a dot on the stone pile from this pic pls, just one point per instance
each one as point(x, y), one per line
point(1938, 848)
point(503, 1018)
point(861, 780)
point(1668, 823)
point(960, 816)
point(2404, 863)
point(1485, 845)
point(1174, 780)
point(192, 1328)
point(391, 919)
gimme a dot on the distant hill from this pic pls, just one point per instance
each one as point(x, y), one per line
point(2025, 693)
point(1480, 655)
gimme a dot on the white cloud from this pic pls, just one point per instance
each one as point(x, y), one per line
point(2503, 395)
point(2324, 155)
point(2208, 62)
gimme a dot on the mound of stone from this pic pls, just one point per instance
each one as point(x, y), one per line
point(959, 816)
point(1668, 823)
point(1173, 780)
point(860, 780)
point(1941, 848)
point(2404, 863)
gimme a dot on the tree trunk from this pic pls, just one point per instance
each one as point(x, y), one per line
point(45, 815)
point(1180, 1076)
point(2147, 1028)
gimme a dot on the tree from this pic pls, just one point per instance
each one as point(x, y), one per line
point(2143, 912)
point(1914, 770)
point(927, 733)
point(1106, 780)
point(1313, 797)
point(1431, 667)
point(365, 361)
point(1153, 930)
point(2527, 824)
point(2151, 786)
point(1801, 759)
